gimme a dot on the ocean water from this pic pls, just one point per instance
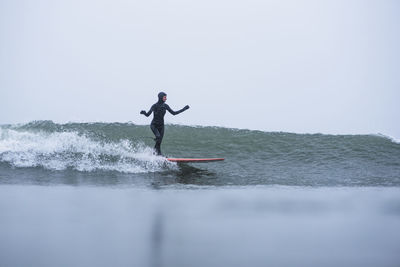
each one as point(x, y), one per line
point(94, 194)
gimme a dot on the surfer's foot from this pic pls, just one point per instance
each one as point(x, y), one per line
point(158, 153)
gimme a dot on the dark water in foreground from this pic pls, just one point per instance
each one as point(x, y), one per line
point(250, 226)
point(93, 194)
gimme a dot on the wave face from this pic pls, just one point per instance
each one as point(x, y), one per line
point(252, 157)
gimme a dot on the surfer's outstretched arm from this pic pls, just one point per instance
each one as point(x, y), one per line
point(147, 113)
point(177, 112)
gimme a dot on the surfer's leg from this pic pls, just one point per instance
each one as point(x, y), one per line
point(159, 136)
point(161, 131)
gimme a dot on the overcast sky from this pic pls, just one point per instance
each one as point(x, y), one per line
point(299, 66)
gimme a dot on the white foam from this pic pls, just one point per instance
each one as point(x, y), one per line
point(394, 140)
point(62, 150)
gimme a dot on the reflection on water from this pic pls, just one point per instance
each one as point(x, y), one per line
point(182, 174)
point(188, 174)
point(156, 239)
point(185, 174)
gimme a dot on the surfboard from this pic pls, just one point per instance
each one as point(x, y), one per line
point(187, 160)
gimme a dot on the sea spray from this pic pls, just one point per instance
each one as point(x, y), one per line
point(62, 150)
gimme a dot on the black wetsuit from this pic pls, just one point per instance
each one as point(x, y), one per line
point(157, 124)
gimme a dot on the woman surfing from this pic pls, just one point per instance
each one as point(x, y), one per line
point(157, 124)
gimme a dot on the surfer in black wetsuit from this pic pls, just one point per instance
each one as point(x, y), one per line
point(157, 124)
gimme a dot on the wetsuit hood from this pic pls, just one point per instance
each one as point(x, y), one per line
point(160, 97)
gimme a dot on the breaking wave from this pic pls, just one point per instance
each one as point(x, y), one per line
point(60, 150)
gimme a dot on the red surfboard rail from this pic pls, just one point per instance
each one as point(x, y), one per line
point(194, 160)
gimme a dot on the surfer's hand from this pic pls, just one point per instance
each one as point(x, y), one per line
point(186, 107)
point(143, 112)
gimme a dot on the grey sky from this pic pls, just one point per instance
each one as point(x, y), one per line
point(298, 66)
